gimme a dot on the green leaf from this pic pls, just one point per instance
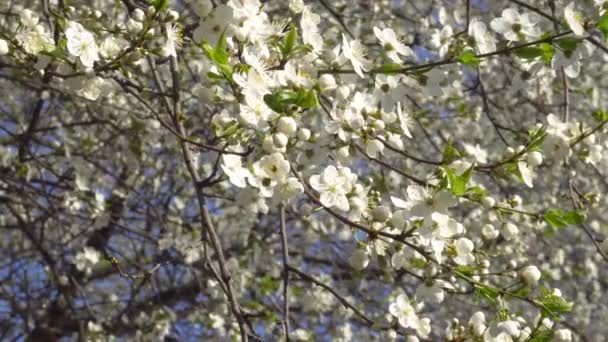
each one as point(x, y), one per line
point(467, 270)
point(219, 55)
point(214, 76)
point(468, 57)
point(389, 68)
point(268, 285)
point(574, 217)
point(602, 25)
point(488, 293)
point(22, 171)
point(458, 184)
point(567, 44)
point(521, 292)
point(418, 263)
point(289, 41)
point(307, 99)
point(477, 192)
point(541, 334)
point(529, 52)
point(450, 153)
point(552, 305)
point(280, 99)
point(554, 218)
point(537, 138)
point(600, 115)
point(160, 5)
point(548, 52)
point(283, 97)
point(557, 218)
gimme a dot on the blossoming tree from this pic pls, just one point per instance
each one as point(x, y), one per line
point(303, 170)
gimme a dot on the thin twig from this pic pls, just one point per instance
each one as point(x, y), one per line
point(285, 252)
point(342, 300)
point(566, 116)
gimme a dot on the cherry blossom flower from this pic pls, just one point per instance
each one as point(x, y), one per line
point(407, 317)
point(574, 19)
point(484, 39)
point(355, 52)
point(464, 248)
point(81, 43)
point(392, 45)
point(511, 25)
point(333, 185)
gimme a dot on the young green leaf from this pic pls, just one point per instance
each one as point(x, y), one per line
point(289, 42)
point(468, 57)
point(159, 5)
point(458, 184)
point(552, 305)
point(529, 52)
point(557, 218)
point(567, 44)
point(600, 115)
point(450, 153)
point(602, 25)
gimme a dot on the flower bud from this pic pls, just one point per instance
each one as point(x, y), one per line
point(327, 83)
point(150, 11)
point(343, 154)
point(534, 158)
point(509, 231)
point(531, 275)
point(268, 144)
point(343, 92)
point(562, 335)
point(134, 26)
point(381, 213)
point(515, 201)
point(358, 189)
point(479, 329)
point(202, 8)
point(359, 260)
point(304, 134)
point(172, 16)
point(28, 18)
point(509, 152)
point(489, 232)
point(378, 125)
point(240, 34)
point(357, 204)
point(63, 280)
point(4, 49)
point(374, 147)
point(398, 219)
point(280, 140)
point(138, 15)
point(287, 125)
point(488, 202)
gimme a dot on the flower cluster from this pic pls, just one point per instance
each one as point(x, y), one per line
point(385, 170)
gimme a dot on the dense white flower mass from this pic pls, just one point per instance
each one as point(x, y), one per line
point(249, 170)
